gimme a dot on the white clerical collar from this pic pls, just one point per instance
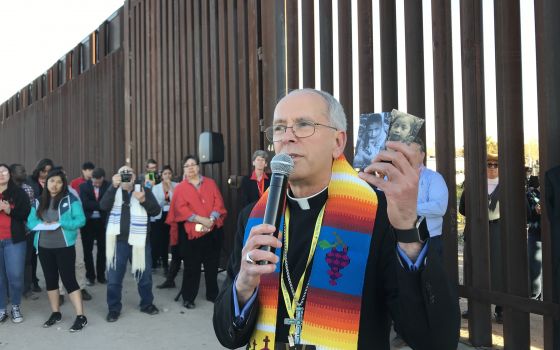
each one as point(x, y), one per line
point(304, 202)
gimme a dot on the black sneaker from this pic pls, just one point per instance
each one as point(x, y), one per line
point(55, 318)
point(166, 284)
point(113, 316)
point(150, 309)
point(79, 324)
point(85, 295)
point(36, 288)
point(102, 280)
point(189, 304)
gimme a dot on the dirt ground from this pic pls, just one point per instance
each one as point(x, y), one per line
point(536, 321)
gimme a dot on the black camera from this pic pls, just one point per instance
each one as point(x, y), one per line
point(126, 177)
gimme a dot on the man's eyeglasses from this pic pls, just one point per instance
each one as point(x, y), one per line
point(492, 165)
point(300, 129)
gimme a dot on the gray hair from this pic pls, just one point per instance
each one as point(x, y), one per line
point(335, 111)
point(260, 153)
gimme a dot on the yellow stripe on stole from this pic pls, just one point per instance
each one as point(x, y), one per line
point(333, 339)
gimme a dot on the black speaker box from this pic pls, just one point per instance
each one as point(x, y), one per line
point(211, 147)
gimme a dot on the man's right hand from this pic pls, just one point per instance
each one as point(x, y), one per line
point(249, 275)
point(116, 180)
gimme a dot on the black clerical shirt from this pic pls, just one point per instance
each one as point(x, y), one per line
point(302, 225)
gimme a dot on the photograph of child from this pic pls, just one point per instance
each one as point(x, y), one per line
point(404, 127)
point(371, 137)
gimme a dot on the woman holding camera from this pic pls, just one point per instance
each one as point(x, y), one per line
point(59, 214)
point(196, 216)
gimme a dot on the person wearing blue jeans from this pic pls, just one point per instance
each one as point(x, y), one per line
point(12, 266)
point(127, 238)
point(14, 208)
point(115, 277)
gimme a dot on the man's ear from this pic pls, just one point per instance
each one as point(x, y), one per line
point(340, 143)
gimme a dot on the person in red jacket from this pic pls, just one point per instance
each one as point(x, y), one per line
point(196, 215)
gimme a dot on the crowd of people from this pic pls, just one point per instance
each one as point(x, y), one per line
point(126, 217)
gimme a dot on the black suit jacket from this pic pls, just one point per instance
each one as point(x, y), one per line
point(89, 203)
point(552, 190)
point(552, 199)
point(423, 304)
point(250, 190)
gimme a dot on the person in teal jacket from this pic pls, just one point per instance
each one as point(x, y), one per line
point(60, 215)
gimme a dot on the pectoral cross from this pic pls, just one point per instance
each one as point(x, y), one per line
point(298, 322)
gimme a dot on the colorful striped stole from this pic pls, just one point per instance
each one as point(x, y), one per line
point(331, 317)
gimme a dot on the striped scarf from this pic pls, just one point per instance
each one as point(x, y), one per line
point(137, 233)
point(331, 317)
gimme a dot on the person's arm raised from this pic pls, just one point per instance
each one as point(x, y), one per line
point(393, 173)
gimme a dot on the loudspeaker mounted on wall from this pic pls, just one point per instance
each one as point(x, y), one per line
point(210, 147)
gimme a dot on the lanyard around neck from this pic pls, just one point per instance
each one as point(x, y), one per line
point(291, 304)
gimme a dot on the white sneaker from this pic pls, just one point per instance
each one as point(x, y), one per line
point(17, 317)
point(3, 316)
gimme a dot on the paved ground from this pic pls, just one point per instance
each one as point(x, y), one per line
point(174, 327)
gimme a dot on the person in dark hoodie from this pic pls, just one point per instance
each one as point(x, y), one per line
point(19, 176)
point(37, 180)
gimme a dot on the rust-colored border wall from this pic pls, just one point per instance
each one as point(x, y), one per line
point(194, 66)
point(81, 120)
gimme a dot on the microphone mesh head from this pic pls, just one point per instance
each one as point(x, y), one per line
point(282, 163)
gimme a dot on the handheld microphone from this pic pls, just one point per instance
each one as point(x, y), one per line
point(281, 166)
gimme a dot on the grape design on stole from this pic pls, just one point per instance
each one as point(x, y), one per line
point(336, 259)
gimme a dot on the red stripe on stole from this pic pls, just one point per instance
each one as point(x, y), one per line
point(268, 290)
point(258, 211)
point(332, 309)
point(350, 217)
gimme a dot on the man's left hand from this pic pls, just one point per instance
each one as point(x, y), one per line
point(141, 196)
point(392, 171)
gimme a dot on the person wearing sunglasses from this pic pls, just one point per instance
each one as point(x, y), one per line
point(496, 267)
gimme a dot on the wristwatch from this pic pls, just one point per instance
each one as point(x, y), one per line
point(415, 234)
